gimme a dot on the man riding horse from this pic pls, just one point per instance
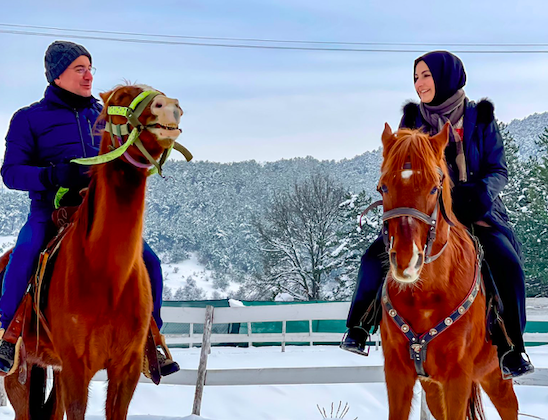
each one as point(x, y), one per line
point(41, 140)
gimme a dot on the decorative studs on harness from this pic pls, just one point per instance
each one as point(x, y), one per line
point(418, 344)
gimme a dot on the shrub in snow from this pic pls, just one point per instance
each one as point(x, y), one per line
point(338, 414)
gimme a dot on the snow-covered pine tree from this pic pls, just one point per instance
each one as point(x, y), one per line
point(524, 196)
point(352, 241)
point(537, 239)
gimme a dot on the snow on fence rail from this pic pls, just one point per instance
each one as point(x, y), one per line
point(280, 376)
point(250, 314)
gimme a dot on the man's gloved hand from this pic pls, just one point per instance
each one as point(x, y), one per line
point(470, 203)
point(68, 175)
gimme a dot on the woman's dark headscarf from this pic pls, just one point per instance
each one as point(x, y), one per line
point(447, 71)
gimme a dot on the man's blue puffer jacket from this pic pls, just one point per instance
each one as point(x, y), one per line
point(47, 133)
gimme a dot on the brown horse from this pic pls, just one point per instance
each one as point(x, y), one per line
point(433, 326)
point(99, 301)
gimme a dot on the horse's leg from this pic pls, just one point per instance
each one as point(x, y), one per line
point(18, 395)
point(502, 395)
point(73, 386)
point(399, 385)
point(122, 381)
point(457, 391)
point(434, 398)
point(58, 410)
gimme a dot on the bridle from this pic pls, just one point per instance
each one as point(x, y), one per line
point(133, 128)
point(430, 220)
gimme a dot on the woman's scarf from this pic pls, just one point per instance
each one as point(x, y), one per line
point(450, 111)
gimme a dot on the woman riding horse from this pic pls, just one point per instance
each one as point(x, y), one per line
point(475, 156)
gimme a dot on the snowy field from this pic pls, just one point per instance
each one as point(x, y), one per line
point(290, 402)
point(280, 402)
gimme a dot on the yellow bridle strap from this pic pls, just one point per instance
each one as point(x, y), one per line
point(140, 98)
point(124, 111)
point(110, 156)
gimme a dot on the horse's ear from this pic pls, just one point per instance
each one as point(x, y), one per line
point(440, 140)
point(105, 96)
point(387, 139)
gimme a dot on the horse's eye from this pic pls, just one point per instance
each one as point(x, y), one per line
point(383, 189)
point(434, 190)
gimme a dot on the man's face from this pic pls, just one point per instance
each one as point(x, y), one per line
point(77, 78)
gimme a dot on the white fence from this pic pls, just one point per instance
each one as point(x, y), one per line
point(279, 376)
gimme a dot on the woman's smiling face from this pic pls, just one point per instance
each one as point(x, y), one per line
point(424, 83)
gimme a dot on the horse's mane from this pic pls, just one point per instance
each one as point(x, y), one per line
point(413, 146)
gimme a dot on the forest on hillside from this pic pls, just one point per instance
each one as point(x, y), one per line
point(291, 226)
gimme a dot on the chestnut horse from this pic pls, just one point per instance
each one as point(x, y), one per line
point(99, 300)
point(433, 325)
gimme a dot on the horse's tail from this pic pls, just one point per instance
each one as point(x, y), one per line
point(475, 406)
point(39, 408)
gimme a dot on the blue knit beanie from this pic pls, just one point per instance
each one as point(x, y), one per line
point(60, 55)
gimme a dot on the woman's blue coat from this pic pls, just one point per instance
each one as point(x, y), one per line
point(478, 198)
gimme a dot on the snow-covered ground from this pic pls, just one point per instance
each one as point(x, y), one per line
point(177, 275)
point(280, 402)
point(283, 402)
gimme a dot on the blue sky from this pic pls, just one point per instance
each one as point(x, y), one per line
point(243, 104)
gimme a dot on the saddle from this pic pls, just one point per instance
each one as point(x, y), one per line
point(29, 327)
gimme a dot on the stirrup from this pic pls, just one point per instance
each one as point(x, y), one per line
point(355, 346)
point(522, 370)
point(16, 354)
point(167, 364)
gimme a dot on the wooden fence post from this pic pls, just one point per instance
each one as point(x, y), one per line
point(202, 368)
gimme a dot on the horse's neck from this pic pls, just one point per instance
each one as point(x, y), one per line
point(114, 222)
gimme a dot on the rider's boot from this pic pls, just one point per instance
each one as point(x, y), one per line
point(7, 356)
point(165, 359)
point(514, 364)
point(355, 341)
point(167, 364)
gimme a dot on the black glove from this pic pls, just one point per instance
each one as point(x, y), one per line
point(470, 203)
point(68, 175)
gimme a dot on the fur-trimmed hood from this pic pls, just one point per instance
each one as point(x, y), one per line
point(485, 112)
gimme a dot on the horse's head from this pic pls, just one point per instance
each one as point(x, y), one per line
point(153, 116)
point(414, 186)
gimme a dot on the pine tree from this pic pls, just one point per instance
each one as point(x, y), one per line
point(355, 235)
point(525, 199)
point(538, 234)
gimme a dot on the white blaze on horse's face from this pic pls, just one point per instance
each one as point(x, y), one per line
point(406, 174)
point(168, 115)
point(406, 255)
point(412, 272)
